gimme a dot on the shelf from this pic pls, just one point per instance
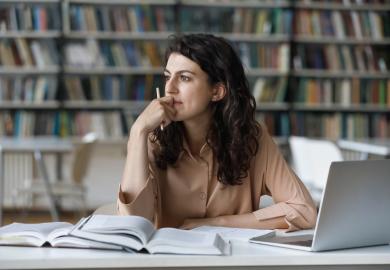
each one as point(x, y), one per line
point(251, 37)
point(124, 2)
point(30, 34)
point(237, 3)
point(271, 106)
point(114, 70)
point(339, 74)
point(29, 105)
point(29, 70)
point(119, 35)
point(331, 39)
point(341, 108)
point(108, 104)
point(30, 1)
point(335, 6)
point(102, 141)
point(265, 72)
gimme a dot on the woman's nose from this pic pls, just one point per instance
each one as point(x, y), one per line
point(170, 86)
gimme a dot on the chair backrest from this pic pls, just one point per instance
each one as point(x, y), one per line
point(312, 158)
point(82, 157)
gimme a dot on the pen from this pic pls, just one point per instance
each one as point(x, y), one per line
point(158, 96)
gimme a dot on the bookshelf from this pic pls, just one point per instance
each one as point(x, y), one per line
point(316, 68)
point(340, 79)
point(29, 67)
point(113, 59)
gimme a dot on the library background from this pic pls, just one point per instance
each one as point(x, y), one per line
point(318, 69)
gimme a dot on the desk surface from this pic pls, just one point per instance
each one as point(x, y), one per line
point(245, 255)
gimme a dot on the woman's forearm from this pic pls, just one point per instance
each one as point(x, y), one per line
point(247, 220)
point(136, 169)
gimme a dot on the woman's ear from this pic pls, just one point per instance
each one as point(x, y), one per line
point(219, 92)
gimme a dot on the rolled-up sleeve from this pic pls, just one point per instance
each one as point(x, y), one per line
point(143, 204)
point(292, 199)
point(146, 202)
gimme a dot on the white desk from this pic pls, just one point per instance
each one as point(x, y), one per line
point(36, 146)
point(245, 256)
point(380, 147)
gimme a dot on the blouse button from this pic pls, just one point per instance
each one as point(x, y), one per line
point(202, 196)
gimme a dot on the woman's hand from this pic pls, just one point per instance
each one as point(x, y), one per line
point(159, 111)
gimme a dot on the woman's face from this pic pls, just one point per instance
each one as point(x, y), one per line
point(188, 84)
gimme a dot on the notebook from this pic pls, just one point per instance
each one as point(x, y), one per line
point(354, 210)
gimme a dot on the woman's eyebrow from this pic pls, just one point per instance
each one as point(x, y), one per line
point(180, 71)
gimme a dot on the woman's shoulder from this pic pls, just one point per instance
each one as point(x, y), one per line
point(263, 135)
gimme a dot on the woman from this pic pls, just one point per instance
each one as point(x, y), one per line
point(210, 161)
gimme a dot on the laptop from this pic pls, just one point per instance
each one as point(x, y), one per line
point(354, 211)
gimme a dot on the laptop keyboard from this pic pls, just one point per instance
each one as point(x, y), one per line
point(297, 240)
point(306, 243)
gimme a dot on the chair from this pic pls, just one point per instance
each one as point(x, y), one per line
point(311, 159)
point(72, 186)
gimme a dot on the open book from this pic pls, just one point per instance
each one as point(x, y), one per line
point(137, 233)
point(54, 234)
point(235, 234)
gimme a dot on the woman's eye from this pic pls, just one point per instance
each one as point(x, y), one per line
point(184, 78)
point(166, 77)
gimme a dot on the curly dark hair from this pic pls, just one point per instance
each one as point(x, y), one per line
point(233, 134)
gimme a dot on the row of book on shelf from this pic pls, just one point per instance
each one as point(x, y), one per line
point(142, 18)
point(129, 18)
point(111, 124)
point(345, 92)
point(341, 125)
point(28, 89)
point(329, 125)
point(255, 55)
point(27, 17)
point(106, 124)
point(108, 88)
point(23, 52)
point(341, 57)
point(191, 18)
point(342, 24)
point(236, 20)
point(91, 53)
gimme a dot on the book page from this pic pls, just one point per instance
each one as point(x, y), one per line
point(61, 238)
point(76, 242)
point(171, 240)
point(138, 226)
point(29, 234)
point(235, 234)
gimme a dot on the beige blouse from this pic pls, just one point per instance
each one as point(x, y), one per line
point(191, 190)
